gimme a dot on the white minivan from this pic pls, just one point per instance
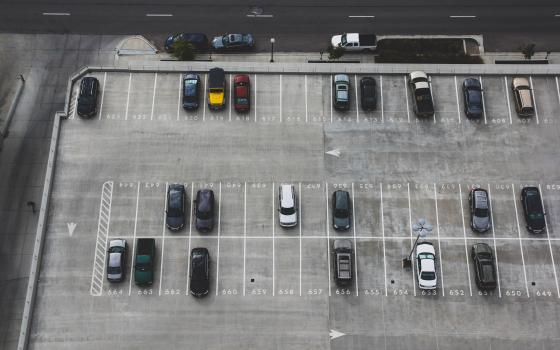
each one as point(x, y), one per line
point(287, 206)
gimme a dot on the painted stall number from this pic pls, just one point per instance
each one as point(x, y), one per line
point(145, 292)
point(315, 291)
point(229, 291)
point(456, 292)
point(343, 291)
point(115, 292)
point(285, 292)
point(172, 291)
point(258, 291)
point(429, 292)
point(372, 292)
point(513, 293)
point(400, 291)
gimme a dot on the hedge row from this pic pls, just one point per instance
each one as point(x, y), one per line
point(423, 51)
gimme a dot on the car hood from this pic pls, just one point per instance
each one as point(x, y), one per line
point(481, 223)
point(169, 41)
point(536, 224)
point(287, 219)
point(217, 42)
point(175, 223)
point(341, 223)
point(336, 40)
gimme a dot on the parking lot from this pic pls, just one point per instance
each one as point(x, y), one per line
point(273, 287)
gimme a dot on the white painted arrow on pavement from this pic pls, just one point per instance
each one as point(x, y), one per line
point(335, 334)
point(334, 152)
point(71, 228)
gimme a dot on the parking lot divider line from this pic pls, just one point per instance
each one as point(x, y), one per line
point(273, 245)
point(280, 98)
point(134, 237)
point(356, 93)
point(432, 95)
point(331, 100)
point(494, 239)
point(557, 90)
point(102, 96)
point(305, 88)
point(128, 96)
point(355, 245)
point(300, 231)
point(205, 97)
point(483, 101)
point(457, 99)
point(230, 102)
point(244, 232)
point(507, 98)
point(383, 235)
point(328, 234)
point(255, 98)
point(520, 241)
point(102, 230)
point(410, 230)
point(465, 235)
point(550, 245)
point(163, 237)
point(179, 97)
point(406, 96)
point(439, 243)
point(219, 232)
point(191, 211)
point(534, 100)
point(381, 97)
point(154, 97)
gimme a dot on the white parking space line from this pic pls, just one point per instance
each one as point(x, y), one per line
point(381, 99)
point(507, 98)
point(103, 225)
point(219, 228)
point(356, 94)
point(534, 100)
point(134, 238)
point(494, 239)
point(300, 233)
point(361, 16)
point(459, 16)
point(190, 236)
point(328, 234)
point(549, 244)
point(205, 95)
point(56, 14)
point(280, 98)
point(180, 93)
point(305, 88)
point(483, 101)
point(102, 95)
point(159, 15)
point(407, 106)
point(244, 232)
point(439, 243)
point(458, 107)
point(273, 245)
point(519, 233)
point(128, 96)
point(557, 90)
point(255, 98)
point(411, 235)
point(465, 236)
point(330, 101)
point(154, 97)
point(163, 238)
point(230, 99)
point(355, 245)
point(432, 95)
point(383, 235)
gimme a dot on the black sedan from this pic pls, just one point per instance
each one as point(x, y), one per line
point(472, 96)
point(484, 268)
point(341, 210)
point(87, 97)
point(368, 93)
point(204, 210)
point(199, 272)
point(533, 209)
point(175, 211)
point(199, 41)
point(191, 91)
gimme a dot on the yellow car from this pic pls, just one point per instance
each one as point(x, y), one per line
point(216, 89)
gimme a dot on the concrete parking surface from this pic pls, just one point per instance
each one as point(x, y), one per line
point(273, 287)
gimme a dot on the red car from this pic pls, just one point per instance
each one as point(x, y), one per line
point(242, 93)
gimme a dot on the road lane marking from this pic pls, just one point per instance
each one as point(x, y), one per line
point(273, 245)
point(191, 211)
point(483, 102)
point(244, 232)
point(464, 16)
point(519, 233)
point(507, 97)
point(439, 243)
point(356, 93)
point(159, 15)
point(494, 239)
point(128, 96)
point(355, 245)
point(219, 228)
point(361, 16)
point(300, 236)
point(259, 16)
point(457, 99)
point(411, 235)
point(328, 234)
point(465, 235)
point(383, 234)
point(534, 100)
point(134, 238)
point(56, 13)
point(549, 244)
point(406, 95)
point(102, 95)
point(163, 238)
point(154, 97)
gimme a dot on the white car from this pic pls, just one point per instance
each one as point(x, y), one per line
point(426, 266)
point(287, 206)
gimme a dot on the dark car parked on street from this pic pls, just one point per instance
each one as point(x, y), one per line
point(231, 42)
point(484, 268)
point(479, 205)
point(87, 97)
point(341, 211)
point(199, 272)
point(533, 209)
point(175, 211)
point(199, 41)
point(191, 91)
point(204, 210)
point(472, 96)
point(368, 93)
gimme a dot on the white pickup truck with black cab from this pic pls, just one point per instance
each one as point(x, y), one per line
point(355, 42)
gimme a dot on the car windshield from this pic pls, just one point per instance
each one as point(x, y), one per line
point(199, 269)
point(190, 88)
point(341, 213)
point(287, 211)
point(480, 212)
point(242, 101)
point(216, 90)
point(426, 256)
point(428, 276)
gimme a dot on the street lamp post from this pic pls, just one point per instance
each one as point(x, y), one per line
point(423, 228)
point(272, 41)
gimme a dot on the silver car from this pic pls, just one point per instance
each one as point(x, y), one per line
point(116, 260)
point(480, 210)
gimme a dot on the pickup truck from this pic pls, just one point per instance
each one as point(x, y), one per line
point(144, 261)
point(355, 42)
point(423, 103)
point(216, 89)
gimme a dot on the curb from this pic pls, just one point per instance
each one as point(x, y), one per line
point(5, 127)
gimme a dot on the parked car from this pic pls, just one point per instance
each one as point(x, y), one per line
point(191, 91)
point(422, 101)
point(233, 42)
point(242, 93)
point(341, 211)
point(426, 266)
point(216, 89)
point(87, 97)
point(479, 205)
point(368, 93)
point(533, 209)
point(523, 97)
point(484, 268)
point(204, 210)
point(116, 260)
point(341, 86)
point(287, 206)
point(199, 272)
point(175, 211)
point(355, 42)
point(342, 250)
point(144, 261)
point(472, 96)
point(199, 41)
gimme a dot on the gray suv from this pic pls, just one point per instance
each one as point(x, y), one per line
point(342, 250)
point(479, 204)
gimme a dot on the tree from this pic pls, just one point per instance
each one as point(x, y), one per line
point(183, 50)
point(528, 51)
point(335, 52)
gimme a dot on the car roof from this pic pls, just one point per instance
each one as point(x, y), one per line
point(204, 199)
point(342, 199)
point(341, 78)
point(287, 198)
point(481, 199)
point(352, 37)
point(242, 91)
point(428, 265)
point(115, 259)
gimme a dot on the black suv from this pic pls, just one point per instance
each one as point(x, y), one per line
point(484, 269)
point(341, 210)
point(533, 209)
point(199, 272)
point(191, 91)
point(472, 96)
point(368, 93)
point(342, 250)
point(479, 204)
point(204, 210)
point(175, 211)
point(87, 97)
